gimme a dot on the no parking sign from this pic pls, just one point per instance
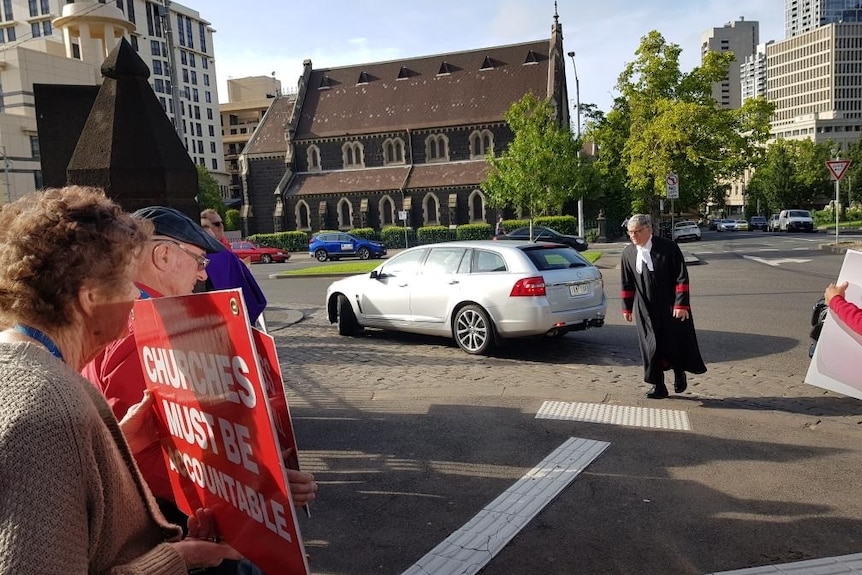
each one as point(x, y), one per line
point(672, 186)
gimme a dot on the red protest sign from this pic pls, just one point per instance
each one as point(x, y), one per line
point(275, 393)
point(216, 424)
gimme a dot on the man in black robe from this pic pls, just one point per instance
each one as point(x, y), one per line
point(655, 290)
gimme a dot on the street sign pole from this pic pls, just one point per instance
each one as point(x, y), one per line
point(837, 168)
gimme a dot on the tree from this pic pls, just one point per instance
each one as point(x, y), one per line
point(209, 195)
point(667, 122)
point(793, 174)
point(540, 170)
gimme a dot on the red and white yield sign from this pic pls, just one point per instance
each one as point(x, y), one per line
point(672, 186)
point(838, 168)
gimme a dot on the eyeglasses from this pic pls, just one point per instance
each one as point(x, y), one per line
point(202, 261)
point(636, 231)
point(217, 224)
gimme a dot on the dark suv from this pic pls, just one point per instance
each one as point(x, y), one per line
point(757, 223)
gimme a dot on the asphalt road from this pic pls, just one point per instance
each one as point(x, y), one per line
point(411, 438)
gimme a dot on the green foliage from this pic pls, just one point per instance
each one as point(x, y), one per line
point(564, 224)
point(434, 234)
point(481, 231)
point(793, 175)
point(365, 233)
point(540, 170)
point(291, 241)
point(232, 219)
point(393, 237)
point(209, 195)
point(667, 122)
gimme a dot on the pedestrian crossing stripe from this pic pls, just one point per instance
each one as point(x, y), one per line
point(616, 415)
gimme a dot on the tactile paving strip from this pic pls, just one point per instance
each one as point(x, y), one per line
point(472, 546)
point(615, 415)
point(842, 565)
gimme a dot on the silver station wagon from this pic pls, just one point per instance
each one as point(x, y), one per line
point(476, 292)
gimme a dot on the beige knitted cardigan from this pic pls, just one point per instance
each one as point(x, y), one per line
point(71, 498)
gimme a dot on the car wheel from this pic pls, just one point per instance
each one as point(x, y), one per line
point(363, 253)
point(347, 324)
point(321, 255)
point(472, 330)
point(266, 259)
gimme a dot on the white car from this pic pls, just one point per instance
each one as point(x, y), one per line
point(727, 226)
point(476, 292)
point(685, 230)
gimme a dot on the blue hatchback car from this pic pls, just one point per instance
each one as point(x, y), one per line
point(335, 245)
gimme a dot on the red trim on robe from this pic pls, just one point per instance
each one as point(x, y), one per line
point(625, 294)
point(681, 288)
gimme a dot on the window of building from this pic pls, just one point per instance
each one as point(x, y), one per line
point(206, 79)
point(157, 67)
point(46, 28)
point(195, 96)
point(476, 203)
point(197, 112)
point(209, 113)
point(208, 97)
point(192, 60)
point(193, 76)
point(130, 11)
point(481, 142)
point(159, 85)
point(185, 75)
point(215, 163)
point(35, 29)
point(190, 39)
point(164, 103)
point(203, 35)
point(345, 214)
point(205, 63)
point(7, 11)
point(212, 144)
point(11, 35)
point(430, 210)
point(212, 133)
point(313, 156)
point(35, 153)
point(393, 151)
point(184, 58)
point(436, 148)
point(155, 48)
point(37, 179)
point(353, 155)
point(180, 34)
point(387, 211)
point(33, 8)
point(303, 215)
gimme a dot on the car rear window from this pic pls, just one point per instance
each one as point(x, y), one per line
point(554, 257)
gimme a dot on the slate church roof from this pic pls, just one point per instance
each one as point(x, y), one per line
point(471, 87)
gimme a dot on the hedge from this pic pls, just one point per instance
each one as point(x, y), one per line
point(567, 225)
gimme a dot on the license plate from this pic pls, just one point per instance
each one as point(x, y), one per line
point(579, 289)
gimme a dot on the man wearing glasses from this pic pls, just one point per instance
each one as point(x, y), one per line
point(655, 290)
point(174, 261)
point(212, 222)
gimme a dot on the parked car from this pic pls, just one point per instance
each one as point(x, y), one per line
point(336, 245)
point(795, 221)
point(247, 250)
point(685, 230)
point(757, 223)
point(742, 225)
point(476, 292)
point(726, 226)
point(543, 234)
point(772, 225)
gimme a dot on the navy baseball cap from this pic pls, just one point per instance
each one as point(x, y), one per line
point(175, 224)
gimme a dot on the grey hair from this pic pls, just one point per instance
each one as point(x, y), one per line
point(640, 220)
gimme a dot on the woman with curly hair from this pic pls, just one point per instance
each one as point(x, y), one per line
point(71, 498)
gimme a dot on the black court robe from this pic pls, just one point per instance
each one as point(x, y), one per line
point(665, 342)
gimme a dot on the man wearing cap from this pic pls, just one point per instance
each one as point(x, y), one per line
point(170, 265)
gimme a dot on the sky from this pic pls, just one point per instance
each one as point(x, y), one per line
point(267, 36)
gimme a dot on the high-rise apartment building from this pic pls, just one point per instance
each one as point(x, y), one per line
point(62, 42)
point(801, 16)
point(752, 74)
point(741, 38)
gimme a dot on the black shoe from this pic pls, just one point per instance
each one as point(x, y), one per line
point(657, 392)
point(679, 382)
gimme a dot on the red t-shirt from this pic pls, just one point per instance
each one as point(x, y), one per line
point(117, 373)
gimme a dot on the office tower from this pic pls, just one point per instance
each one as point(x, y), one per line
point(741, 38)
point(801, 16)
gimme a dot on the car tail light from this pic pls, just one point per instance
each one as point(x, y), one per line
point(527, 287)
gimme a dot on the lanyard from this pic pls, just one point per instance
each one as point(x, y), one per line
point(41, 337)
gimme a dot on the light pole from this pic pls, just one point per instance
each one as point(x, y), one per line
point(578, 135)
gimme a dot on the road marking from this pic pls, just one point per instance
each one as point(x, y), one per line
point(616, 415)
point(778, 261)
point(845, 564)
point(471, 547)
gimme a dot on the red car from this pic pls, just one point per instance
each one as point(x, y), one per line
point(254, 253)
